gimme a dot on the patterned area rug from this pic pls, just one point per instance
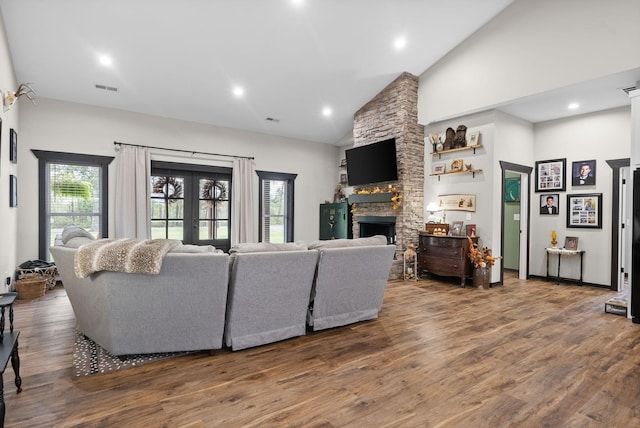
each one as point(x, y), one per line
point(90, 358)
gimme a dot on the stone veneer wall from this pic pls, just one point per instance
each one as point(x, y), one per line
point(393, 113)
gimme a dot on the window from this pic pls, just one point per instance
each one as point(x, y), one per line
point(73, 189)
point(276, 206)
point(191, 203)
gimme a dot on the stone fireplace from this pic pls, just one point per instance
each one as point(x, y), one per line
point(393, 113)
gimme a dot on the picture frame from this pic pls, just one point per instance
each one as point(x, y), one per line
point(456, 165)
point(512, 189)
point(13, 191)
point(471, 230)
point(584, 211)
point(439, 168)
point(13, 146)
point(583, 173)
point(571, 243)
point(474, 139)
point(343, 179)
point(456, 202)
point(555, 204)
point(456, 228)
point(551, 175)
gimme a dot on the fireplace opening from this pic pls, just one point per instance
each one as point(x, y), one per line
point(378, 225)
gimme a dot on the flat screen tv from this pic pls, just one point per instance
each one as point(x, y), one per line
point(372, 163)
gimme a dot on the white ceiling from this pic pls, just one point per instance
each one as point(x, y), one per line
point(181, 59)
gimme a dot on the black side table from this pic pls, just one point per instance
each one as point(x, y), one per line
point(8, 348)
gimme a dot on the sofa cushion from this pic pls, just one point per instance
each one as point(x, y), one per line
point(77, 241)
point(344, 243)
point(73, 231)
point(189, 248)
point(261, 247)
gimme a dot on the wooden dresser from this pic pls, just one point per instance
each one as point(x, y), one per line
point(445, 255)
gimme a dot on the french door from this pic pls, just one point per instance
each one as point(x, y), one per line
point(191, 203)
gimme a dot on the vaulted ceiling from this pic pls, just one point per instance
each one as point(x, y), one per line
point(304, 67)
point(291, 68)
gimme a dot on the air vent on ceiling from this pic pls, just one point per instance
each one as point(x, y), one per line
point(629, 89)
point(272, 119)
point(106, 88)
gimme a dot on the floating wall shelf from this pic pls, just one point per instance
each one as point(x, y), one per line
point(459, 149)
point(473, 172)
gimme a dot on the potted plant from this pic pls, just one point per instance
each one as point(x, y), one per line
point(483, 261)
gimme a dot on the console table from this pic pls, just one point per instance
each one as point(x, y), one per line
point(8, 348)
point(445, 255)
point(560, 252)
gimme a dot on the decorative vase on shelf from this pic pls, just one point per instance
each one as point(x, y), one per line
point(482, 277)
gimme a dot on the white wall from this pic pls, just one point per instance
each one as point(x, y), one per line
point(531, 47)
point(77, 128)
point(601, 136)
point(8, 216)
point(504, 138)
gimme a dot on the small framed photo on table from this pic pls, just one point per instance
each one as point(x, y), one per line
point(456, 228)
point(571, 243)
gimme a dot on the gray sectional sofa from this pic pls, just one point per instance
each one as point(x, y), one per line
point(202, 299)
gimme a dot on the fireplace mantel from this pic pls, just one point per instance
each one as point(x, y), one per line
point(363, 198)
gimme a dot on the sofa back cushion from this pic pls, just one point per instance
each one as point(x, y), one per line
point(73, 231)
point(262, 247)
point(344, 243)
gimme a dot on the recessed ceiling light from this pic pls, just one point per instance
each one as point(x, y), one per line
point(297, 2)
point(105, 60)
point(400, 43)
point(573, 106)
point(327, 112)
point(238, 91)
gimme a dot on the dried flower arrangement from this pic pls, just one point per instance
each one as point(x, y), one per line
point(480, 257)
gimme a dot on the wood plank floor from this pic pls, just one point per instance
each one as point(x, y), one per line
point(526, 354)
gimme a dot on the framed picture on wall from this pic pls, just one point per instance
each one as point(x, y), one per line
point(551, 175)
point(584, 210)
point(512, 189)
point(13, 191)
point(550, 204)
point(13, 146)
point(583, 173)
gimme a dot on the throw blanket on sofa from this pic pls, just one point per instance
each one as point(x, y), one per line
point(122, 255)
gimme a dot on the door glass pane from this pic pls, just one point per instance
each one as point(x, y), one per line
point(206, 230)
point(158, 229)
point(222, 210)
point(222, 229)
point(206, 209)
point(176, 209)
point(175, 230)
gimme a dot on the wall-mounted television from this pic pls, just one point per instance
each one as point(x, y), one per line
point(372, 163)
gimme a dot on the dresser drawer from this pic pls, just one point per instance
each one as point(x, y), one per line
point(441, 266)
point(435, 241)
point(445, 252)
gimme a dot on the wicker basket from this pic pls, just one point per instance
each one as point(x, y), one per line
point(31, 287)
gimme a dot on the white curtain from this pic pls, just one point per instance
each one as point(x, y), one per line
point(242, 197)
point(132, 203)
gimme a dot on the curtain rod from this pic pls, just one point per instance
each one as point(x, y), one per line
point(193, 152)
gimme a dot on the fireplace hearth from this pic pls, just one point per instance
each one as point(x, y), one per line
point(371, 225)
